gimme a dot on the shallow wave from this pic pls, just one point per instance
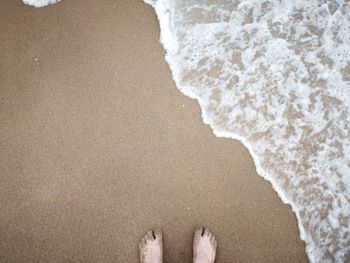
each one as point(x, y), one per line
point(276, 76)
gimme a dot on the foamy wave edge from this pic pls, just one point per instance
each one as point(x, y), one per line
point(40, 3)
point(165, 40)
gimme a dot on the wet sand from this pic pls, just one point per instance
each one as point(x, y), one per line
point(97, 145)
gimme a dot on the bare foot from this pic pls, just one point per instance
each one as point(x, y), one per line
point(151, 247)
point(204, 246)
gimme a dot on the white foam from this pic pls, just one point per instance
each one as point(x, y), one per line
point(40, 3)
point(276, 76)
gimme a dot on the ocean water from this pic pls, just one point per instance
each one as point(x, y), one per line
point(275, 75)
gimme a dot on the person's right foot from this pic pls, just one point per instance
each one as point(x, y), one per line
point(204, 246)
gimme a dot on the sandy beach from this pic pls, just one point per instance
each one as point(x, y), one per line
point(97, 145)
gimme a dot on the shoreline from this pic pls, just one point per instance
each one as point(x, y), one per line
point(99, 147)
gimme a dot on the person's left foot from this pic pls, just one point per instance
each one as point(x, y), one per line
point(151, 247)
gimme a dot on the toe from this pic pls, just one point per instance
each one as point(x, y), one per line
point(140, 246)
point(206, 232)
point(144, 238)
point(149, 235)
point(158, 234)
point(212, 238)
point(198, 232)
point(142, 243)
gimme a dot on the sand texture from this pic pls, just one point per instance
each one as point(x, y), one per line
point(97, 145)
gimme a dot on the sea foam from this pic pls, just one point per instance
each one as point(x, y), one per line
point(275, 75)
point(40, 3)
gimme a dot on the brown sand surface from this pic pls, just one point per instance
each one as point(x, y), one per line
point(97, 145)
